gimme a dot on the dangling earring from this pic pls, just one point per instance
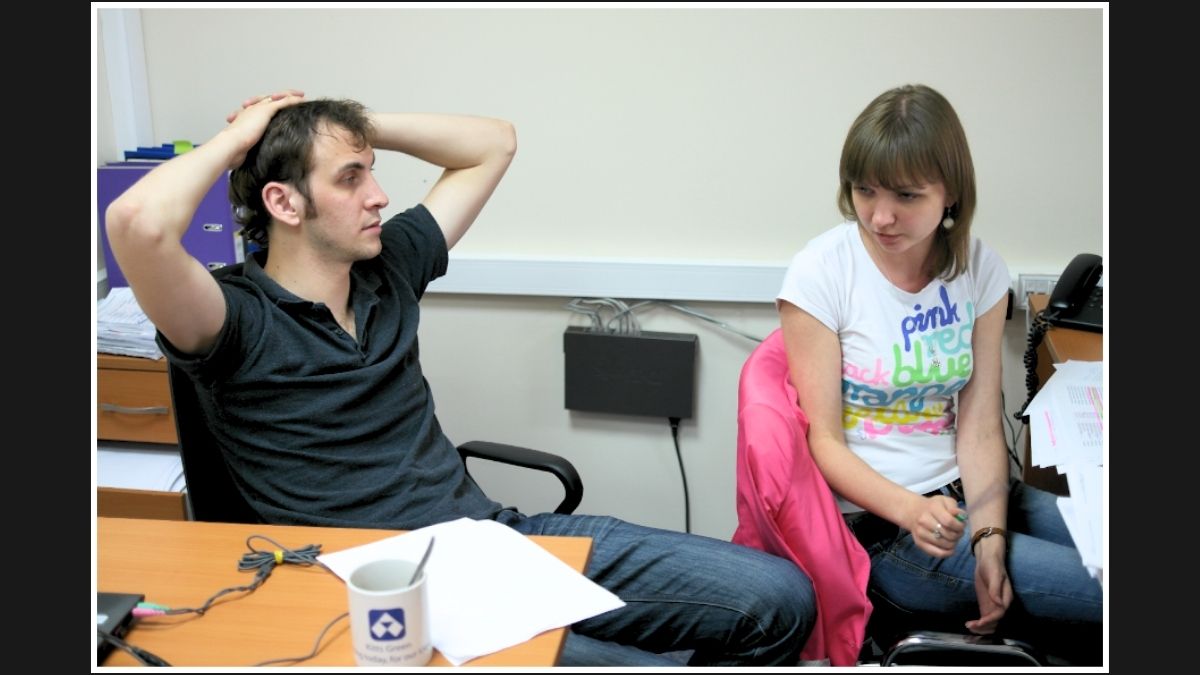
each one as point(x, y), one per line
point(947, 221)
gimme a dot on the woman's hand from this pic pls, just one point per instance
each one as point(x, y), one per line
point(936, 524)
point(992, 586)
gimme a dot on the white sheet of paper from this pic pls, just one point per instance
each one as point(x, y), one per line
point(1089, 551)
point(1066, 417)
point(1044, 442)
point(139, 468)
point(122, 327)
point(1087, 496)
point(490, 587)
point(1067, 420)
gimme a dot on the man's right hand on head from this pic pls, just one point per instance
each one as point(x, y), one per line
point(248, 123)
point(256, 99)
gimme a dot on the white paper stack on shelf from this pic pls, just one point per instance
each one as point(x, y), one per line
point(1066, 426)
point(139, 466)
point(122, 327)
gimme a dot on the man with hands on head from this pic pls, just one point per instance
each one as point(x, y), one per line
point(306, 359)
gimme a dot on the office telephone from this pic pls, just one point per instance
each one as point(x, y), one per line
point(1077, 301)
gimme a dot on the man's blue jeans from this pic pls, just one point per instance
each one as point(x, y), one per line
point(1055, 600)
point(728, 604)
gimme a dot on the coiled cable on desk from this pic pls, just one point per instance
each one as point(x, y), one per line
point(264, 562)
point(306, 556)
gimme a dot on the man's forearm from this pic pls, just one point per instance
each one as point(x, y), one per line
point(161, 205)
point(448, 141)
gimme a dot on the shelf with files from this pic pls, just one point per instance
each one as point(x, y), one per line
point(211, 236)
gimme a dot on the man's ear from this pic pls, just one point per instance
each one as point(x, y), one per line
point(284, 202)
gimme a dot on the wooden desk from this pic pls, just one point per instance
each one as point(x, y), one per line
point(183, 563)
point(1059, 345)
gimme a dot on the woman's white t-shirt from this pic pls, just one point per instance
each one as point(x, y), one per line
point(904, 355)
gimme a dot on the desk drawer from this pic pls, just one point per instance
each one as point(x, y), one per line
point(124, 503)
point(134, 405)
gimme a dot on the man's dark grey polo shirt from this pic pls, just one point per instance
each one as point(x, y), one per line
point(322, 429)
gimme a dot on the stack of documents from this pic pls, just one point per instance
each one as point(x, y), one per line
point(139, 467)
point(122, 327)
point(1066, 430)
point(490, 587)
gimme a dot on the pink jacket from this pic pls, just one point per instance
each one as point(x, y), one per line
point(785, 507)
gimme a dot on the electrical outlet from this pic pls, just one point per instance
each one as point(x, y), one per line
point(1033, 283)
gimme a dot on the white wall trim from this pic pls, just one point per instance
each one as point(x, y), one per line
point(591, 278)
point(713, 281)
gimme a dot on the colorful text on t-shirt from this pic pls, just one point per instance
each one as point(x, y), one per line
point(932, 359)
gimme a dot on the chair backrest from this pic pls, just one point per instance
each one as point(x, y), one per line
point(211, 493)
point(785, 507)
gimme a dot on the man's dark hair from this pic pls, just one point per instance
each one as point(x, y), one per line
point(284, 154)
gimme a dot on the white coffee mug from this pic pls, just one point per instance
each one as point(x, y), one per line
point(389, 614)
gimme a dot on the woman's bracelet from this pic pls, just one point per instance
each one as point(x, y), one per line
point(986, 532)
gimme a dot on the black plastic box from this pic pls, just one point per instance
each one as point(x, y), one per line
point(651, 373)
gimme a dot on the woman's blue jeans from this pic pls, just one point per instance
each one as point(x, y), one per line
point(726, 604)
point(1057, 606)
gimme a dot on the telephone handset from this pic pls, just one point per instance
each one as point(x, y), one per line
point(1076, 302)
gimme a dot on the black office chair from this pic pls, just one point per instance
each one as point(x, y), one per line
point(212, 495)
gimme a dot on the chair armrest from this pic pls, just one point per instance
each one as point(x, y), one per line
point(531, 459)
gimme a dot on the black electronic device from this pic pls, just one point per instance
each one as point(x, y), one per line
point(1077, 301)
point(650, 373)
point(114, 614)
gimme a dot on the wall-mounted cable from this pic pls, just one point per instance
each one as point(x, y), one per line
point(687, 502)
point(622, 318)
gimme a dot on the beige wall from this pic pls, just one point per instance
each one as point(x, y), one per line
point(676, 133)
point(680, 134)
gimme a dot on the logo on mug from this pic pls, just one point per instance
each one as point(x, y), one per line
point(386, 624)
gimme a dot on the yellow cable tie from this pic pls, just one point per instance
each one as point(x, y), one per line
point(278, 557)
